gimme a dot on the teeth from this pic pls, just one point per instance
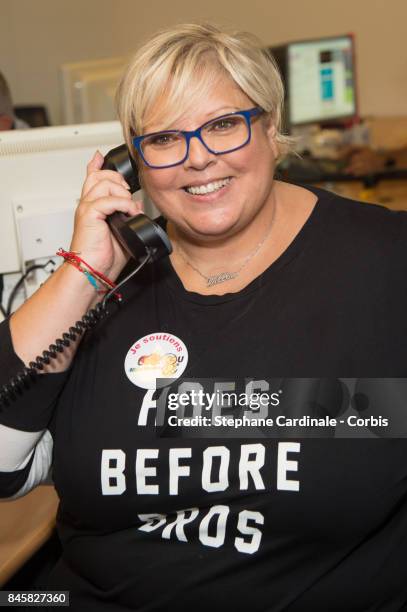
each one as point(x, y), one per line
point(209, 188)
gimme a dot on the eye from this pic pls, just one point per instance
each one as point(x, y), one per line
point(221, 125)
point(163, 139)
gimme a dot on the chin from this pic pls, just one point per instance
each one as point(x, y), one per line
point(212, 225)
point(211, 233)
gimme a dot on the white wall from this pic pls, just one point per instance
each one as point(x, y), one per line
point(36, 36)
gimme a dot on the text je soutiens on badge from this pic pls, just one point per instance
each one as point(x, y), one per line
point(154, 358)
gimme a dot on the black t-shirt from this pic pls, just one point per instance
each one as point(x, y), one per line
point(158, 519)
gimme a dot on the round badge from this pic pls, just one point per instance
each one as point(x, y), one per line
point(154, 358)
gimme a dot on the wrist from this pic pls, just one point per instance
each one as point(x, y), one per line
point(76, 282)
point(101, 284)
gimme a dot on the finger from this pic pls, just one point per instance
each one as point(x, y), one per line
point(95, 163)
point(104, 207)
point(107, 188)
point(100, 175)
point(139, 205)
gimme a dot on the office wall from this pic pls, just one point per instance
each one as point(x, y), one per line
point(36, 36)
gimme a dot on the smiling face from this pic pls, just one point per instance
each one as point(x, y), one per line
point(242, 180)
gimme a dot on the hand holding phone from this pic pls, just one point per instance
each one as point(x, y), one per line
point(106, 195)
point(139, 234)
point(104, 192)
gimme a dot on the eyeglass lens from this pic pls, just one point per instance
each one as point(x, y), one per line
point(220, 135)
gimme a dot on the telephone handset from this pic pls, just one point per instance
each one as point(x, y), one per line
point(138, 234)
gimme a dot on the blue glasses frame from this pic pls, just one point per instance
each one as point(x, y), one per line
point(247, 114)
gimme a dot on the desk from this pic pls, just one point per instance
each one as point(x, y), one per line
point(25, 524)
point(390, 193)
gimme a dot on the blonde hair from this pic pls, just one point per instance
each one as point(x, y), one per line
point(178, 66)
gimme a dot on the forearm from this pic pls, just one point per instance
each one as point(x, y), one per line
point(61, 301)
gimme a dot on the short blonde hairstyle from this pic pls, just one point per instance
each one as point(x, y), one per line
point(177, 67)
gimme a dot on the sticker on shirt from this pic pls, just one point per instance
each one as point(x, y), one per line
point(154, 358)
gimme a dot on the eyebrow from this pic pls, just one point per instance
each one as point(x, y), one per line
point(215, 113)
point(223, 108)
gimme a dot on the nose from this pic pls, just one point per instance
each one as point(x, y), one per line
point(198, 156)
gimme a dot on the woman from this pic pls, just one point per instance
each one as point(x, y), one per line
point(266, 281)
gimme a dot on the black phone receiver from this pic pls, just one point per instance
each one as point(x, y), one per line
point(137, 235)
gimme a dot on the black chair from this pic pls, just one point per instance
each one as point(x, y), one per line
point(35, 116)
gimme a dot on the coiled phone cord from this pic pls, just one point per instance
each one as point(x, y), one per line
point(23, 379)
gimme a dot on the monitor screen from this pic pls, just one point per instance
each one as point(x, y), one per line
point(321, 80)
point(41, 175)
point(87, 89)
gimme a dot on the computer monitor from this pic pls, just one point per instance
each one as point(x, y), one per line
point(320, 81)
point(41, 175)
point(88, 89)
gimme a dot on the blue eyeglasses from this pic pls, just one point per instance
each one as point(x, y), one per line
point(223, 134)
